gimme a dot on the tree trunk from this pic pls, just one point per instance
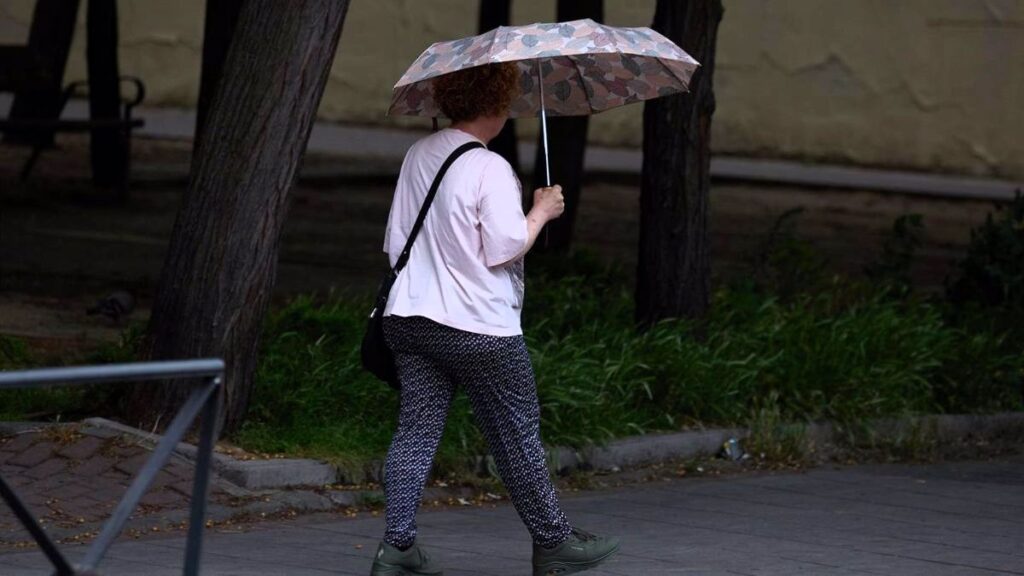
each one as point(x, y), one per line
point(494, 13)
point(222, 261)
point(49, 40)
point(108, 148)
point(218, 30)
point(674, 269)
point(567, 145)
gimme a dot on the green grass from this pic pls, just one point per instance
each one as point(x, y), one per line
point(59, 403)
point(30, 404)
point(848, 351)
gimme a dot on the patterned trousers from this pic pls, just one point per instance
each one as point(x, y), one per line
point(433, 360)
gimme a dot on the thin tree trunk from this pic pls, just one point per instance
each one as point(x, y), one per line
point(674, 269)
point(494, 13)
point(222, 262)
point(218, 30)
point(49, 40)
point(567, 144)
point(107, 147)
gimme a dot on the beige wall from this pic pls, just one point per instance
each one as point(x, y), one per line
point(926, 84)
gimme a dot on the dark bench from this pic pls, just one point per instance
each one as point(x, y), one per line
point(35, 132)
point(34, 72)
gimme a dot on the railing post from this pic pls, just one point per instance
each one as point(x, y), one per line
point(201, 482)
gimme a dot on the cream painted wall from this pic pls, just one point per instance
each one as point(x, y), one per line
point(926, 84)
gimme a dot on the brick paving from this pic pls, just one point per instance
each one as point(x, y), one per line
point(72, 481)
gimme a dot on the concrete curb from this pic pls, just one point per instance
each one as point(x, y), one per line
point(623, 453)
point(249, 474)
point(642, 450)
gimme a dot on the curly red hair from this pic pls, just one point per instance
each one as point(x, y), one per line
point(470, 93)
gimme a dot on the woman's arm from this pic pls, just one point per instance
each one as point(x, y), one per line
point(548, 204)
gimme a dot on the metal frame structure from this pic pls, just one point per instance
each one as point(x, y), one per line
point(204, 400)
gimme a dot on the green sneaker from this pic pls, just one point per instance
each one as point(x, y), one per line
point(582, 551)
point(391, 561)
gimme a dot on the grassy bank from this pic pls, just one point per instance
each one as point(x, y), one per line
point(845, 351)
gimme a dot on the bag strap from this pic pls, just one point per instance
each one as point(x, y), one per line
point(403, 258)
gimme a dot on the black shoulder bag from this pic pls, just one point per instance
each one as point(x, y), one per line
point(377, 357)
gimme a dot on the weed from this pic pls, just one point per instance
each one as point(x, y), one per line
point(773, 441)
point(787, 265)
point(898, 252)
point(992, 273)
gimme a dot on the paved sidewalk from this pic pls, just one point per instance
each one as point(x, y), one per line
point(72, 481)
point(962, 519)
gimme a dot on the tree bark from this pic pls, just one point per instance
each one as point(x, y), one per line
point(218, 30)
point(108, 148)
point(494, 13)
point(674, 269)
point(49, 40)
point(567, 145)
point(222, 261)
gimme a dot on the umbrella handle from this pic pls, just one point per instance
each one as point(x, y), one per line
point(544, 125)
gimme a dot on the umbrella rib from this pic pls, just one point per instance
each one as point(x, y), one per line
point(506, 30)
point(686, 85)
point(583, 84)
point(494, 40)
point(395, 98)
point(615, 38)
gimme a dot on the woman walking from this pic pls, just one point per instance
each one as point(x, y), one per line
point(453, 321)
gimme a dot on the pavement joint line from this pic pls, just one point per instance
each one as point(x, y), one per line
point(902, 506)
point(818, 477)
point(858, 570)
point(947, 563)
point(879, 517)
point(924, 493)
point(850, 530)
point(747, 533)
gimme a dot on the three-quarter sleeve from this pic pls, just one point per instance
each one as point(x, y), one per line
point(502, 222)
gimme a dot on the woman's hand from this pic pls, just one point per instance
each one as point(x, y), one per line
point(548, 203)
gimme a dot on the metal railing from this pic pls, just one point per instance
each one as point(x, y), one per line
point(203, 400)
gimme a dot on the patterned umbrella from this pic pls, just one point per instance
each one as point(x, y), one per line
point(567, 69)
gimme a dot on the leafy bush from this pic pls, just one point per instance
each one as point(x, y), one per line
point(992, 274)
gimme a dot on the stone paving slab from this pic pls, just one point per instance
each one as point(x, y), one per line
point(952, 519)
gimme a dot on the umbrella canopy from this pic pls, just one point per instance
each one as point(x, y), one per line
point(584, 67)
